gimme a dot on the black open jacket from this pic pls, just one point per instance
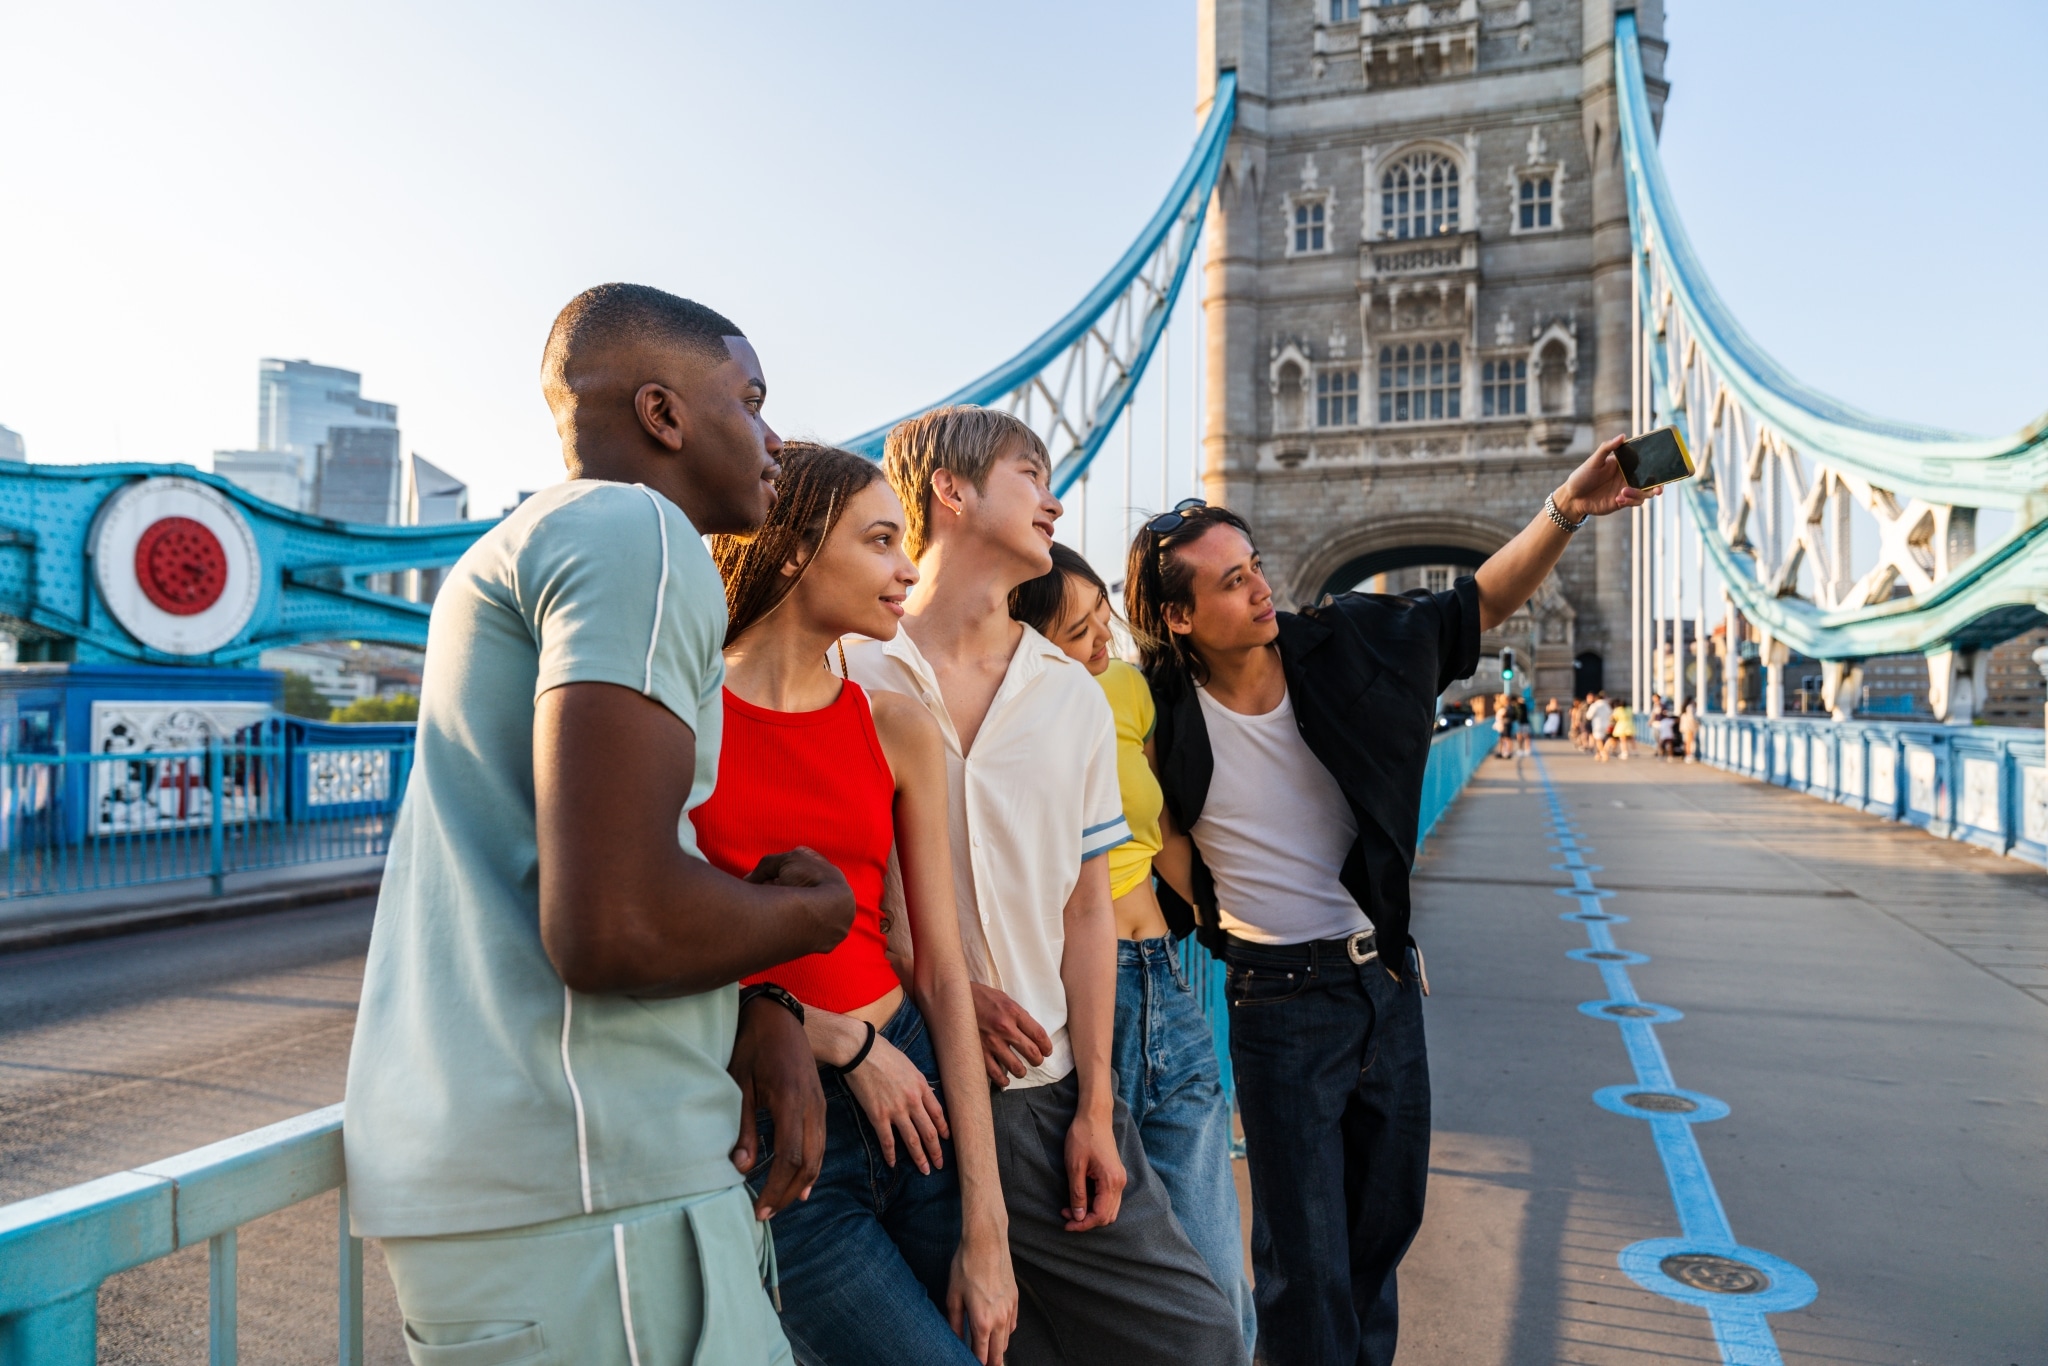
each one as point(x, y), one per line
point(1364, 671)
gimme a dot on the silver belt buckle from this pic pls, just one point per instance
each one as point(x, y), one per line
point(1359, 947)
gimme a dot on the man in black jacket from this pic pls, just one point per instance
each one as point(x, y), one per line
point(1291, 747)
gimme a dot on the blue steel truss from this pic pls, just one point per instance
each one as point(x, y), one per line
point(1782, 465)
point(315, 572)
point(1073, 382)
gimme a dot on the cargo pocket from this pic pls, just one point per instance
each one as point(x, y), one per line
point(483, 1343)
point(739, 1326)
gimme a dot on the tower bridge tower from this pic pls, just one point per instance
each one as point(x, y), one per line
point(1418, 297)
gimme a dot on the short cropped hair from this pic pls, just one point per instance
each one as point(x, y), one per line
point(607, 316)
point(964, 439)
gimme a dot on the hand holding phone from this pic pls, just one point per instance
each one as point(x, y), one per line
point(1654, 459)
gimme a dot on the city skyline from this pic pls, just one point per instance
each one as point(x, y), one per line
point(882, 241)
point(321, 446)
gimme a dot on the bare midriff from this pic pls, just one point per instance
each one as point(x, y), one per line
point(881, 1010)
point(1138, 915)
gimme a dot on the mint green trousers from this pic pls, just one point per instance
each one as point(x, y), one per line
point(674, 1283)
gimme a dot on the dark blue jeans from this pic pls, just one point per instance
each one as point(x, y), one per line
point(1333, 1092)
point(866, 1260)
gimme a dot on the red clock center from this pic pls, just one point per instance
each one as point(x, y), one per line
point(181, 566)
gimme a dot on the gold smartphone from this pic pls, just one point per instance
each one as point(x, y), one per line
point(1655, 459)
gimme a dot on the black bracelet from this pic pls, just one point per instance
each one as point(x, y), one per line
point(861, 1056)
point(774, 993)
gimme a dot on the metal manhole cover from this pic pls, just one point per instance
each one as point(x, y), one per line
point(1605, 955)
point(1594, 915)
point(1660, 1102)
point(1629, 1012)
point(1720, 1275)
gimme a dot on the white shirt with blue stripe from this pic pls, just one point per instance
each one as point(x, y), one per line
point(1035, 799)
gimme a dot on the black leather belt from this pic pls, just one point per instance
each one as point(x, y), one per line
point(1358, 948)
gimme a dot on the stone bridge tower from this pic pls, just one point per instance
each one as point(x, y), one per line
point(1418, 297)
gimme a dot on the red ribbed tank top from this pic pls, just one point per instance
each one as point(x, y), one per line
point(815, 778)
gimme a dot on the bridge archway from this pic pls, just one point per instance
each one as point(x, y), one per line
point(1342, 559)
point(1544, 634)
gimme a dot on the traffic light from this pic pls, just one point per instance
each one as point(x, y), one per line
point(1507, 669)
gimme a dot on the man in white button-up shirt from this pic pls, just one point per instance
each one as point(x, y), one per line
point(1106, 1272)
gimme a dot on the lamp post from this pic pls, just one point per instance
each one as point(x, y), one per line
point(2041, 662)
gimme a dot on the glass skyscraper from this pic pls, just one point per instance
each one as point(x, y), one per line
point(310, 417)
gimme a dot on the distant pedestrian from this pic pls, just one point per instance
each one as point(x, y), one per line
point(1600, 725)
point(1689, 733)
point(1624, 730)
point(1503, 726)
point(1553, 720)
point(1665, 726)
point(1581, 730)
point(1523, 731)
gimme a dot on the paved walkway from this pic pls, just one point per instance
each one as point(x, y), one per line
point(34, 922)
point(1870, 1004)
point(121, 1051)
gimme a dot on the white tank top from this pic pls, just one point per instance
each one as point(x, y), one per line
point(1274, 831)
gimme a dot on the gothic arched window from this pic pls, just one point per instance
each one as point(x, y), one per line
point(1419, 196)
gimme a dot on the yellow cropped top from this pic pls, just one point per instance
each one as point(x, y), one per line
point(1130, 699)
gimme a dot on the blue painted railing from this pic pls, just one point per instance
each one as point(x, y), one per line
point(1454, 756)
point(56, 1249)
point(282, 793)
point(1986, 785)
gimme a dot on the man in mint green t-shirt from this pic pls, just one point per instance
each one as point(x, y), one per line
point(551, 1094)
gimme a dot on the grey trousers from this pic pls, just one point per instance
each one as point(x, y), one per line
point(1133, 1294)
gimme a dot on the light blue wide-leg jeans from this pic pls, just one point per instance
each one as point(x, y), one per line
point(1167, 1074)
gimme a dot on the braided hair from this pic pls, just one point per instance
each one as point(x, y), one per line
point(812, 491)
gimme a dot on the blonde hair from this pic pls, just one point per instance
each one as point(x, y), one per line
point(964, 439)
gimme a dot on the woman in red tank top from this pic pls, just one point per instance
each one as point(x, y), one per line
point(894, 1224)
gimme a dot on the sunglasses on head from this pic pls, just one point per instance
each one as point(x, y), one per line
point(1167, 522)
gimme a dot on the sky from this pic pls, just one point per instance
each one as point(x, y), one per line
point(889, 198)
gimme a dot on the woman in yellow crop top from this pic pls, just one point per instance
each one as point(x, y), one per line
point(1165, 1059)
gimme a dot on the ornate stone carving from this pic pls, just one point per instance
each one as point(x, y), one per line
point(148, 793)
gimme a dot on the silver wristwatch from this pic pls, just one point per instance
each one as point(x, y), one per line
point(1550, 511)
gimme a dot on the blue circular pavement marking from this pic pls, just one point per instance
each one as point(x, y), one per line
point(1574, 891)
point(1720, 1277)
point(1608, 917)
point(1657, 1102)
point(1608, 956)
point(1616, 1012)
